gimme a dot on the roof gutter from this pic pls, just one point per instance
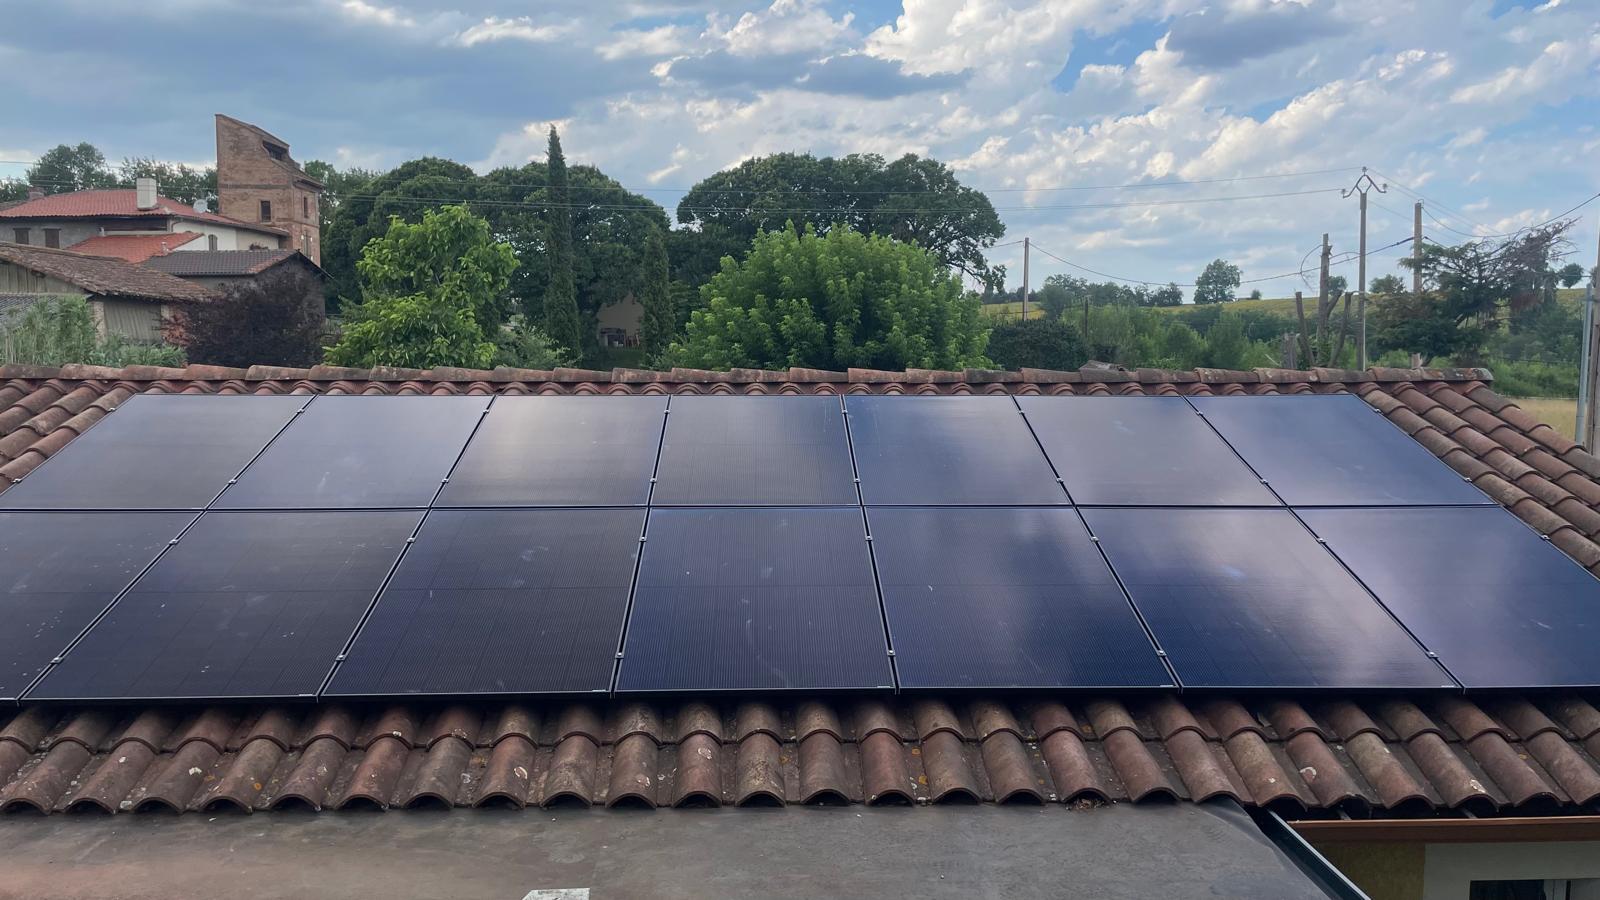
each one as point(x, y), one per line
point(1450, 831)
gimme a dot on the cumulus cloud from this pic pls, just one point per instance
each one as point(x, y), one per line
point(1214, 39)
point(520, 28)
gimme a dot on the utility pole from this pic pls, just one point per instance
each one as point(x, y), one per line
point(1025, 279)
point(1361, 275)
point(1416, 248)
point(1589, 371)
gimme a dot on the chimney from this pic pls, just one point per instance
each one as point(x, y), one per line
point(35, 192)
point(145, 192)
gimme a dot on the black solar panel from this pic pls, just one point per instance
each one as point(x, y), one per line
point(1140, 451)
point(156, 452)
point(500, 601)
point(348, 452)
point(1501, 607)
point(972, 451)
point(755, 451)
point(1333, 450)
point(560, 451)
point(248, 605)
point(1246, 598)
point(748, 599)
point(998, 598)
point(58, 570)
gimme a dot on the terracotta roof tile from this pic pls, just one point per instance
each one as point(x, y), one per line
point(117, 203)
point(135, 248)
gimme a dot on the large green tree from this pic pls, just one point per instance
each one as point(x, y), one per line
point(913, 199)
point(660, 319)
point(1217, 283)
point(833, 301)
point(430, 295)
point(561, 320)
point(339, 185)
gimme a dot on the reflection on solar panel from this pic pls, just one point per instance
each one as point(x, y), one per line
point(60, 570)
point(948, 451)
point(1333, 450)
point(1501, 607)
point(755, 451)
point(156, 452)
point(560, 451)
point(1140, 451)
point(246, 606)
point(351, 452)
point(746, 599)
point(1246, 598)
point(996, 598)
point(500, 601)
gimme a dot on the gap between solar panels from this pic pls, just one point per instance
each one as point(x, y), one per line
point(384, 547)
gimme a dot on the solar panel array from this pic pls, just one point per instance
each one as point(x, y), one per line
point(250, 548)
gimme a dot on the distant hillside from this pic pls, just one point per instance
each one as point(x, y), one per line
point(1282, 306)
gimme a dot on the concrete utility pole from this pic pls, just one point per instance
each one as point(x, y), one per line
point(1025, 244)
point(1589, 387)
point(1416, 248)
point(1361, 274)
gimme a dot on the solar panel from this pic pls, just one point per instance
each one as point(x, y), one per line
point(250, 605)
point(156, 452)
point(1001, 598)
point(955, 451)
point(1333, 450)
point(746, 599)
point(560, 451)
point(517, 601)
point(1246, 598)
point(352, 452)
point(1140, 451)
point(1501, 607)
point(755, 451)
point(58, 570)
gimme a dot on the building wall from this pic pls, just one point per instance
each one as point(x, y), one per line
point(625, 314)
point(76, 231)
point(248, 174)
point(133, 320)
point(15, 279)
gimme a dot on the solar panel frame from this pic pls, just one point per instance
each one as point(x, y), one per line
point(1227, 589)
point(1042, 608)
point(60, 571)
point(999, 462)
point(248, 605)
point(1501, 606)
point(190, 451)
point(466, 563)
point(1140, 451)
point(685, 576)
point(1345, 453)
point(770, 464)
point(629, 429)
point(341, 453)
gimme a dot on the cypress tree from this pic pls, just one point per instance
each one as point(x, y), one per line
point(561, 320)
point(659, 323)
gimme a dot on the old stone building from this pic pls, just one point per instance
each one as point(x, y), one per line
point(258, 181)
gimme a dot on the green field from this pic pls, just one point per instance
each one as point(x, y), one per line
point(1282, 306)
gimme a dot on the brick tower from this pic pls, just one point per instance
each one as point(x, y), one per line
point(258, 181)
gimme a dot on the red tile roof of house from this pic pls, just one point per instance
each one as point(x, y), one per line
point(117, 204)
point(102, 275)
point(1316, 755)
point(134, 248)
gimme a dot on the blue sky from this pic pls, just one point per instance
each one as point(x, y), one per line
point(1489, 108)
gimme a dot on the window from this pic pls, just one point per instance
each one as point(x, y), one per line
point(305, 207)
point(52, 237)
point(266, 210)
point(211, 242)
point(275, 151)
point(21, 235)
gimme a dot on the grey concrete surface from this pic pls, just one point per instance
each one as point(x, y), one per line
point(1172, 851)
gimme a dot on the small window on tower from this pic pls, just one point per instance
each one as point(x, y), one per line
point(266, 210)
point(305, 207)
point(52, 237)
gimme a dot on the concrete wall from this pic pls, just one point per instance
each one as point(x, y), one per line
point(247, 174)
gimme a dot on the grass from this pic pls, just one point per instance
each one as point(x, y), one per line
point(1559, 413)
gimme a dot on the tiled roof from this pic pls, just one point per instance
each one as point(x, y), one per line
point(223, 263)
point(1313, 755)
point(120, 203)
point(103, 275)
point(134, 248)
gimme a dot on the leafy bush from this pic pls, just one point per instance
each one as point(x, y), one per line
point(275, 319)
point(1037, 344)
point(61, 330)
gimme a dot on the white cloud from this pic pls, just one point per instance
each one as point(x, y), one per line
point(1560, 60)
point(387, 16)
point(667, 40)
point(520, 28)
point(787, 26)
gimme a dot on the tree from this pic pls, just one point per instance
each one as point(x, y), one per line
point(65, 168)
point(1171, 295)
point(1227, 345)
point(1255, 294)
point(175, 180)
point(913, 199)
point(1053, 298)
point(1217, 283)
point(1387, 286)
point(430, 295)
point(338, 185)
point(834, 301)
point(275, 319)
point(1571, 274)
point(1048, 343)
point(1336, 285)
point(561, 320)
point(659, 324)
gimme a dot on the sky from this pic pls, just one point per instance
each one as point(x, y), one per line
point(1074, 115)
